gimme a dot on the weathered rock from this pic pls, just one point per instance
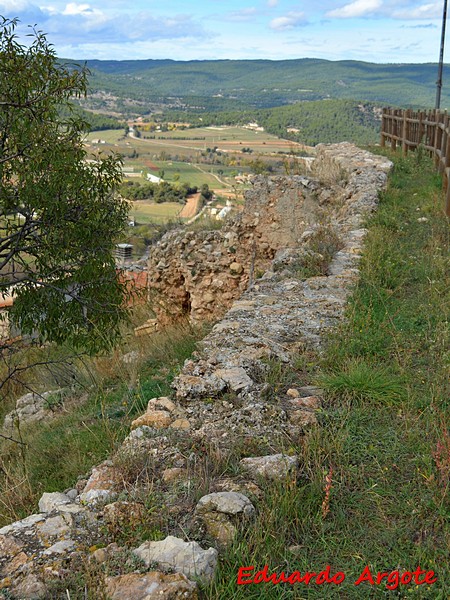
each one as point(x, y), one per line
point(72, 508)
point(14, 564)
point(303, 418)
point(61, 547)
point(139, 433)
point(235, 377)
point(230, 503)
point(52, 501)
point(104, 484)
point(181, 424)
point(275, 466)
point(153, 418)
point(72, 494)
point(216, 509)
point(101, 555)
point(189, 386)
point(248, 488)
point(163, 402)
point(80, 485)
point(32, 408)
point(237, 268)
point(312, 402)
point(9, 546)
point(183, 557)
point(30, 587)
point(55, 526)
point(18, 526)
point(220, 528)
point(151, 586)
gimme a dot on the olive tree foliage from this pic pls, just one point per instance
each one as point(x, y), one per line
point(60, 216)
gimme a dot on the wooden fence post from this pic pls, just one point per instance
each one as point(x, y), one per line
point(405, 133)
point(393, 130)
point(383, 128)
point(420, 129)
point(437, 139)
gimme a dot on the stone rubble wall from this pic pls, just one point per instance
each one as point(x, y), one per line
point(201, 273)
point(279, 315)
point(219, 401)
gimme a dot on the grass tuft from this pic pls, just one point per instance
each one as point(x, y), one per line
point(360, 382)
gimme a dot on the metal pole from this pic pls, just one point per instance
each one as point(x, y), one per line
point(441, 58)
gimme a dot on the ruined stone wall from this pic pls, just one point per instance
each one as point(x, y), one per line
point(282, 313)
point(201, 273)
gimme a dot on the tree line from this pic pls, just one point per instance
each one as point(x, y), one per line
point(162, 192)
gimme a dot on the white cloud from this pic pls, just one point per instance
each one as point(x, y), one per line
point(425, 11)
point(10, 6)
point(80, 23)
point(20, 8)
point(242, 15)
point(289, 21)
point(272, 3)
point(75, 9)
point(359, 8)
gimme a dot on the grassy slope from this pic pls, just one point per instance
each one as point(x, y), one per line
point(382, 429)
point(107, 394)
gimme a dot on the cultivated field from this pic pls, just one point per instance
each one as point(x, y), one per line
point(143, 211)
point(183, 156)
point(178, 153)
point(224, 138)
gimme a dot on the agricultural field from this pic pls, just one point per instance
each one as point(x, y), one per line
point(226, 138)
point(140, 158)
point(143, 211)
point(194, 174)
point(180, 158)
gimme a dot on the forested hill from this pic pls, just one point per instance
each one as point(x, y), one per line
point(264, 83)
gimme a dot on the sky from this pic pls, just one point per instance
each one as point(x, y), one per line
point(382, 31)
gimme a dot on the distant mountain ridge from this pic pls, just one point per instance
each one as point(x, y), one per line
point(267, 83)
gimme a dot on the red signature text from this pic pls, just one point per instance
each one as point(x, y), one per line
point(390, 579)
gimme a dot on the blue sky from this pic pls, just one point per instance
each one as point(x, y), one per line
point(369, 30)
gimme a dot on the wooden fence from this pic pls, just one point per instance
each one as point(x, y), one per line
point(429, 129)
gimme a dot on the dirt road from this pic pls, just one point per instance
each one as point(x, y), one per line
point(190, 209)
